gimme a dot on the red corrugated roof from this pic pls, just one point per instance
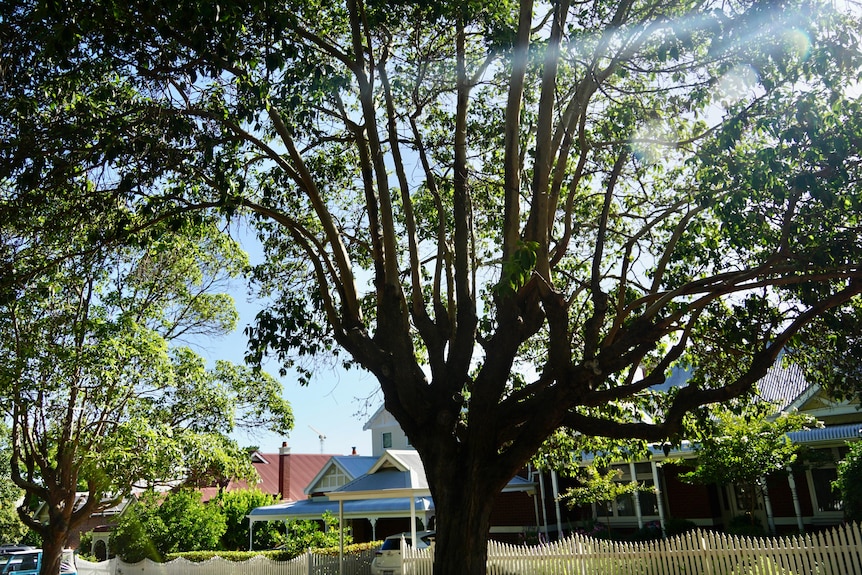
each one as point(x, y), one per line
point(303, 468)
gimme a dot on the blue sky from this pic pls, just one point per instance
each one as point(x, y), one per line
point(329, 404)
point(333, 403)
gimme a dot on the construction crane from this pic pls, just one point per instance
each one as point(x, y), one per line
point(320, 435)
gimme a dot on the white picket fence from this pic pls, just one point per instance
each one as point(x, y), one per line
point(834, 552)
point(306, 564)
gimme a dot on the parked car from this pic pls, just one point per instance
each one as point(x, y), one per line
point(387, 559)
point(8, 548)
point(29, 562)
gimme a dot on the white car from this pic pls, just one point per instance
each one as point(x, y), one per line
point(387, 560)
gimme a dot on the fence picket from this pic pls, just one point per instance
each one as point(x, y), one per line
point(809, 560)
point(854, 540)
point(847, 549)
point(835, 552)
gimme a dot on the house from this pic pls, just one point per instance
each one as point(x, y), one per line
point(801, 500)
point(378, 496)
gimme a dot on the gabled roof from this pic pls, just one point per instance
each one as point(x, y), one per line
point(391, 482)
point(395, 469)
point(782, 385)
point(400, 459)
point(380, 418)
point(266, 465)
point(352, 466)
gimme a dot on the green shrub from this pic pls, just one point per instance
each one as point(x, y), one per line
point(85, 544)
point(238, 556)
point(648, 532)
point(236, 505)
point(746, 525)
point(677, 526)
point(849, 482)
point(274, 554)
point(352, 548)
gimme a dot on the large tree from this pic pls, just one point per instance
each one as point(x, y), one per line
point(100, 397)
point(503, 211)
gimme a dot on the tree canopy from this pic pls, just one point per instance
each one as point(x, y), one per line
point(100, 396)
point(517, 216)
point(11, 527)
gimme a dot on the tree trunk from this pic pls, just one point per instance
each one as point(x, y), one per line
point(462, 522)
point(464, 485)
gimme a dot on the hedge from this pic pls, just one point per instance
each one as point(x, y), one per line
point(274, 554)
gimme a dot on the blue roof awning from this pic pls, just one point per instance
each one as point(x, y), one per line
point(845, 432)
point(311, 509)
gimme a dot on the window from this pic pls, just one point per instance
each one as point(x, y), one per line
point(828, 498)
point(746, 498)
point(624, 506)
point(822, 473)
point(332, 479)
point(648, 500)
point(387, 440)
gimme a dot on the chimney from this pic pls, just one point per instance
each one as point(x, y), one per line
point(284, 471)
point(353, 452)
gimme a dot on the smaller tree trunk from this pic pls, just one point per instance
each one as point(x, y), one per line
point(54, 540)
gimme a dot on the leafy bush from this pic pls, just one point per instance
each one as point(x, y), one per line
point(237, 556)
point(648, 532)
point(152, 528)
point(235, 506)
point(138, 531)
point(304, 535)
point(85, 544)
point(849, 482)
point(352, 548)
point(746, 525)
point(677, 526)
point(191, 524)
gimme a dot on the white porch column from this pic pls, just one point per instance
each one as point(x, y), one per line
point(340, 537)
point(767, 503)
point(250, 531)
point(533, 473)
point(556, 489)
point(413, 520)
point(544, 529)
point(797, 507)
point(636, 496)
point(659, 497)
point(373, 521)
